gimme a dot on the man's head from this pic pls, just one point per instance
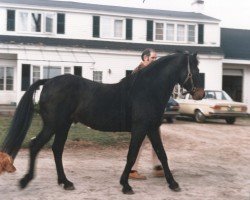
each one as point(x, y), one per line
point(148, 56)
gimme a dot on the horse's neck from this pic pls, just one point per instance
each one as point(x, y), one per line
point(165, 77)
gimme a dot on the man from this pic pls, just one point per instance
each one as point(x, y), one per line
point(148, 56)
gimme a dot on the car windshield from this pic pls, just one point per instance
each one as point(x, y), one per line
point(219, 95)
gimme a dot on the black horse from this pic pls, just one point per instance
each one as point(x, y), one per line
point(135, 104)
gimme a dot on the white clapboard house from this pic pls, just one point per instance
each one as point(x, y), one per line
point(43, 39)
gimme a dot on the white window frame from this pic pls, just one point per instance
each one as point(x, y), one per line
point(20, 25)
point(163, 30)
point(195, 33)
point(107, 31)
point(174, 34)
point(44, 15)
point(65, 71)
point(184, 33)
point(34, 79)
point(51, 67)
point(5, 78)
point(53, 17)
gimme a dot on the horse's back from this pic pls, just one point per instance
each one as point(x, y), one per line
point(77, 99)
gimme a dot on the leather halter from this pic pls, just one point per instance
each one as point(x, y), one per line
point(189, 77)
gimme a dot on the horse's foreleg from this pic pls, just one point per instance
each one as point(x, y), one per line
point(35, 146)
point(156, 142)
point(134, 147)
point(57, 147)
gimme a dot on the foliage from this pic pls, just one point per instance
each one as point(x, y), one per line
point(78, 133)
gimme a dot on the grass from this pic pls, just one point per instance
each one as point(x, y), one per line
point(78, 134)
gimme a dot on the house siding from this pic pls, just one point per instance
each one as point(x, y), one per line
point(112, 56)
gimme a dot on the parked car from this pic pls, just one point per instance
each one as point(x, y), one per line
point(215, 104)
point(171, 110)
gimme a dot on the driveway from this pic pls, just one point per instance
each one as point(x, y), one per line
point(210, 161)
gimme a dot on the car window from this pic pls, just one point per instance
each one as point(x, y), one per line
point(209, 95)
point(190, 97)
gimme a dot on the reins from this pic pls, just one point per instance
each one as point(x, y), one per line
point(189, 77)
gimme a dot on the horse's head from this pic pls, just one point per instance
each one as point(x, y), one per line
point(190, 77)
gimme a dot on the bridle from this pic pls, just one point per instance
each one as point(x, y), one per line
point(189, 77)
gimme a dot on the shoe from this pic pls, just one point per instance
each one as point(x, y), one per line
point(136, 176)
point(158, 171)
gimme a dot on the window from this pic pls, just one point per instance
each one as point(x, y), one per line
point(97, 76)
point(118, 28)
point(112, 28)
point(9, 78)
point(78, 70)
point(36, 73)
point(180, 33)
point(11, 20)
point(2, 78)
point(67, 70)
point(159, 31)
point(23, 21)
point(60, 23)
point(50, 72)
point(191, 33)
point(36, 22)
point(170, 32)
point(49, 23)
point(6, 78)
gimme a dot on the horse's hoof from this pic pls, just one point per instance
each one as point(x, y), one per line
point(68, 185)
point(71, 187)
point(175, 187)
point(23, 183)
point(128, 191)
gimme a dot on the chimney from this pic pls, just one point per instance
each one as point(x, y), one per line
point(198, 6)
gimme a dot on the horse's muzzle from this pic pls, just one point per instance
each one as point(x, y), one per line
point(198, 94)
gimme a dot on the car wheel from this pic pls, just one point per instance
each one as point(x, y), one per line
point(230, 120)
point(170, 120)
point(199, 116)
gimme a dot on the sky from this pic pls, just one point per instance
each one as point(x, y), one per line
point(232, 13)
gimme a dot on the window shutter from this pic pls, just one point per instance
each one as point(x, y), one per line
point(11, 20)
point(25, 77)
point(202, 79)
point(129, 29)
point(149, 30)
point(96, 26)
point(201, 34)
point(60, 23)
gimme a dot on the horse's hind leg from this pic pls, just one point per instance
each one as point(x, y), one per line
point(58, 146)
point(156, 141)
point(35, 146)
point(134, 147)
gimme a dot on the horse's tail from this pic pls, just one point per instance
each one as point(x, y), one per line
point(20, 122)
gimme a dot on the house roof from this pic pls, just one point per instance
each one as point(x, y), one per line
point(116, 9)
point(111, 45)
point(236, 43)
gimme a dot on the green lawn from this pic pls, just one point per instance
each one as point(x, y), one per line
point(78, 134)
